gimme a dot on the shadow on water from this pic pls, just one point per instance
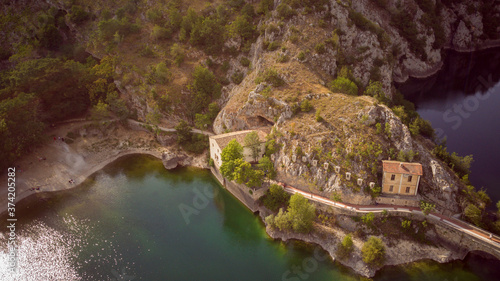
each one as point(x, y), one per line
point(465, 73)
point(473, 267)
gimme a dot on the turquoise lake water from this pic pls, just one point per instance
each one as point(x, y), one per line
point(127, 224)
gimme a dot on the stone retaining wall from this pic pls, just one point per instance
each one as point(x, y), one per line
point(246, 195)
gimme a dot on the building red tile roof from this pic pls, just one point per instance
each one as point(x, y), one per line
point(397, 167)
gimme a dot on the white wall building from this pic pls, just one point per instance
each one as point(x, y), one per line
point(218, 142)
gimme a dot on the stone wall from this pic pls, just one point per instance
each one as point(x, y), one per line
point(409, 202)
point(246, 195)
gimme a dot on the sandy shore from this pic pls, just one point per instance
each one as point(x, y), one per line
point(92, 149)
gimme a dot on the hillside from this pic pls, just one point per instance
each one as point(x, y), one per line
point(321, 72)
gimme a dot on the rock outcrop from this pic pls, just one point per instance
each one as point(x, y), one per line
point(172, 159)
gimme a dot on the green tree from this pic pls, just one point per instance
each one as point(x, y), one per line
point(160, 33)
point(117, 105)
point(401, 113)
point(269, 220)
point(213, 110)
point(275, 198)
point(255, 178)
point(78, 15)
point(345, 247)
point(368, 218)
point(20, 127)
point(344, 85)
point(301, 213)
point(183, 132)
point(373, 251)
point(243, 27)
point(100, 111)
point(473, 214)
point(202, 121)
point(232, 152)
point(177, 53)
point(267, 166)
point(242, 171)
point(387, 129)
point(203, 88)
point(282, 220)
point(252, 141)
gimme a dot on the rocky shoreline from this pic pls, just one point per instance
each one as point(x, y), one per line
point(83, 158)
point(436, 68)
point(399, 250)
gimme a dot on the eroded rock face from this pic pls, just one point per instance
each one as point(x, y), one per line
point(463, 37)
point(439, 177)
point(257, 111)
point(400, 135)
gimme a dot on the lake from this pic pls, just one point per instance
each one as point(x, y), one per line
point(136, 221)
point(462, 101)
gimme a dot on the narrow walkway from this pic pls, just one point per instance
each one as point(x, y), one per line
point(454, 223)
point(170, 129)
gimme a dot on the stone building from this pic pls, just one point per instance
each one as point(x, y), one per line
point(401, 178)
point(218, 142)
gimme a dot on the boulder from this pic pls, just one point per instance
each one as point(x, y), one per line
point(171, 160)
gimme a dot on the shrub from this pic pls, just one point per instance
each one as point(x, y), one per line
point(373, 251)
point(318, 116)
point(320, 48)
point(273, 46)
point(368, 218)
point(406, 224)
point(275, 198)
point(284, 11)
point(387, 129)
point(306, 106)
point(270, 76)
point(346, 247)
point(301, 56)
point(160, 33)
point(245, 62)
point(426, 207)
point(153, 15)
point(177, 53)
point(336, 197)
point(407, 28)
point(344, 85)
point(301, 213)
point(473, 214)
point(78, 15)
point(237, 77)
point(282, 58)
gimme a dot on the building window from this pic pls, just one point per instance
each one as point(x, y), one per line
point(391, 188)
point(409, 178)
point(393, 177)
point(407, 189)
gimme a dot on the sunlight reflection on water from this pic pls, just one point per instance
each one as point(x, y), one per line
point(48, 254)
